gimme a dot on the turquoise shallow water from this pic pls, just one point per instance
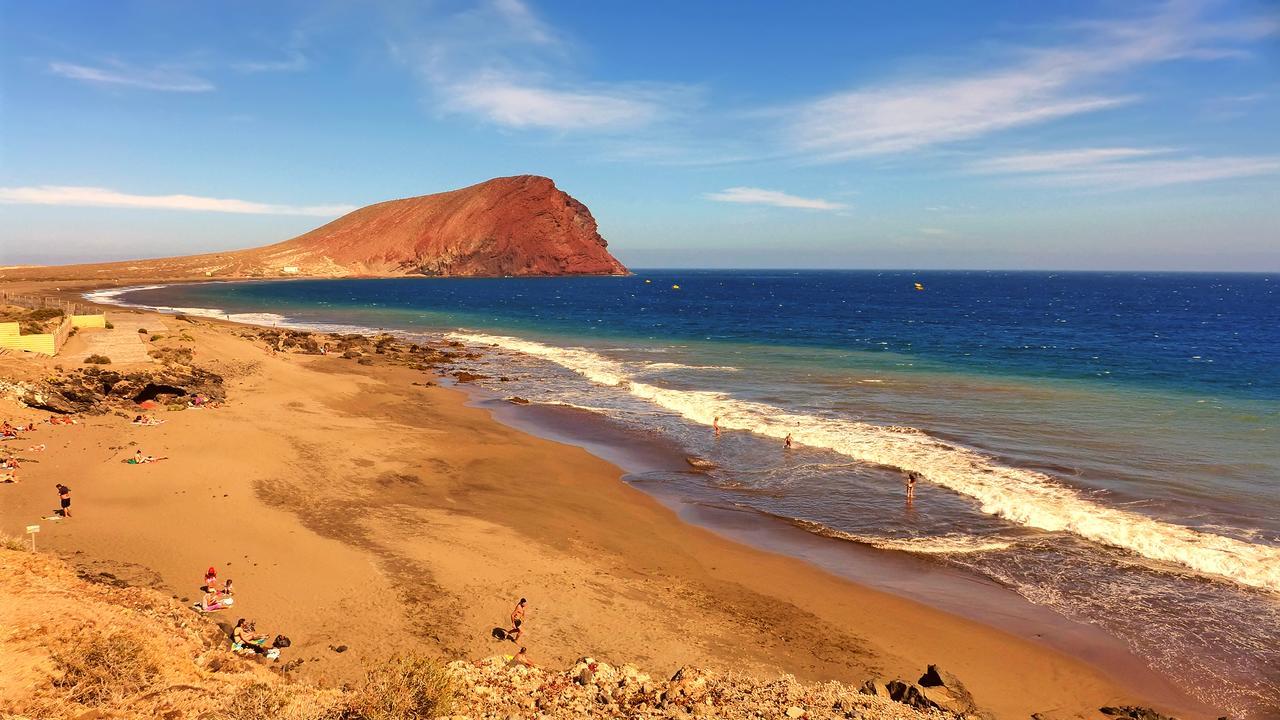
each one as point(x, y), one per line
point(1103, 445)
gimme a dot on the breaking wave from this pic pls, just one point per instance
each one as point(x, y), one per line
point(1021, 496)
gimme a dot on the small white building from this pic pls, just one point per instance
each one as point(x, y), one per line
point(289, 269)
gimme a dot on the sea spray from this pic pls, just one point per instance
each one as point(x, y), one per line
point(1018, 495)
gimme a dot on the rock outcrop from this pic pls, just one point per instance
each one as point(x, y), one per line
point(522, 226)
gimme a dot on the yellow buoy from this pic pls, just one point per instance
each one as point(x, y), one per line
point(919, 286)
point(675, 287)
point(646, 282)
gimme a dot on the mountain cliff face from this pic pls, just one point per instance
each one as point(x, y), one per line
point(522, 225)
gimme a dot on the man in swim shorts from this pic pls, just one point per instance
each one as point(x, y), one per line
point(64, 500)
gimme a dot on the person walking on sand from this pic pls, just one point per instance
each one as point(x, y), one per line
point(517, 613)
point(64, 500)
point(516, 631)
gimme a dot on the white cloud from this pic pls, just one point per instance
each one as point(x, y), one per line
point(102, 197)
point(1124, 168)
point(499, 62)
point(1059, 160)
point(528, 106)
point(116, 73)
point(759, 196)
point(1039, 86)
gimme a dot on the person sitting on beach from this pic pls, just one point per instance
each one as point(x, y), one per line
point(9, 463)
point(520, 659)
point(245, 640)
point(213, 601)
point(226, 588)
point(516, 631)
point(140, 459)
point(517, 614)
point(7, 430)
point(211, 578)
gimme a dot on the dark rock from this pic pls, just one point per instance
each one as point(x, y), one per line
point(1133, 712)
point(517, 400)
point(911, 695)
point(463, 376)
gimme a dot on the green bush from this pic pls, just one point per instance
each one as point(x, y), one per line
point(109, 326)
point(156, 337)
point(98, 360)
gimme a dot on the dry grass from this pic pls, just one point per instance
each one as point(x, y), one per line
point(104, 667)
point(14, 543)
point(404, 688)
point(96, 359)
point(281, 701)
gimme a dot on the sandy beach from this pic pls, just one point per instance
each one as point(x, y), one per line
point(366, 506)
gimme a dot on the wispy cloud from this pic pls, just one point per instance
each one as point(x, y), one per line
point(163, 79)
point(77, 196)
point(511, 104)
point(1099, 169)
point(760, 196)
point(499, 62)
point(1059, 159)
point(1037, 86)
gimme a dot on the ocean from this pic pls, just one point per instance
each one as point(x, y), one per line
point(1104, 445)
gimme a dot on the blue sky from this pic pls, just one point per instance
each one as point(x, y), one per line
point(1076, 135)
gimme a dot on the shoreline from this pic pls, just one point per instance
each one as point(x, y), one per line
point(810, 570)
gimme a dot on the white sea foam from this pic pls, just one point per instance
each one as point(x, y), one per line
point(952, 544)
point(680, 366)
point(1021, 496)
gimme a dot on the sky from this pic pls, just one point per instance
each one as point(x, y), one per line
point(1003, 135)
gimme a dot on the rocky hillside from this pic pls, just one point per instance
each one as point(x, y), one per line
point(521, 225)
point(87, 646)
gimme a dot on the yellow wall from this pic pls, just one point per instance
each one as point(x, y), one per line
point(89, 321)
point(42, 343)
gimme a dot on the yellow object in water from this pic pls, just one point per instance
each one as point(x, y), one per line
point(919, 286)
point(675, 287)
point(647, 281)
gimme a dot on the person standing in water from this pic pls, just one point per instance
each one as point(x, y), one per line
point(787, 443)
point(911, 485)
point(715, 424)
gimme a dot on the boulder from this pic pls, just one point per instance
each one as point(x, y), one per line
point(946, 691)
point(911, 695)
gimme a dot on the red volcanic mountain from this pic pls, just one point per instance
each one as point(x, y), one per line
point(521, 225)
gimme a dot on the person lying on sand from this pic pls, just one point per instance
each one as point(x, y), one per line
point(146, 420)
point(8, 478)
point(9, 463)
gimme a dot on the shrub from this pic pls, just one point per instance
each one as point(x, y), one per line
point(142, 331)
point(258, 700)
point(12, 543)
point(98, 360)
point(404, 688)
point(156, 337)
point(99, 667)
point(109, 326)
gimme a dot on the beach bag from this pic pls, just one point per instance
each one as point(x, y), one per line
point(282, 641)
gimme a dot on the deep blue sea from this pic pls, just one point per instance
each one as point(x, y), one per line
point(1106, 445)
